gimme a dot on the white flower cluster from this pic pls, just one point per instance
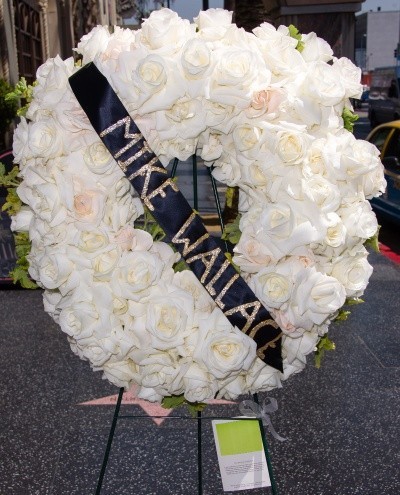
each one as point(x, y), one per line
point(269, 118)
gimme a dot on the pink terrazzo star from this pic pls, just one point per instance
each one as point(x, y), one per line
point(152, 409)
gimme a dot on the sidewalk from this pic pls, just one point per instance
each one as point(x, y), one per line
point(341, 421)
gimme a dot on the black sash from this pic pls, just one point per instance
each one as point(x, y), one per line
point(182, 225)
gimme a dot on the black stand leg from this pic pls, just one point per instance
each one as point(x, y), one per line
point(265, 445)
point(109, 442)
point(199, 455)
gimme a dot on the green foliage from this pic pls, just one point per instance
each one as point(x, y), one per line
point(294, 33)
point(20, 273)
point(174, 401)
point(232, 232)
point(22, 243)
point(10, 181)
point(325, 344)
point(151, 226)
point(21, 95)
point(8, 109)
point(349, 119)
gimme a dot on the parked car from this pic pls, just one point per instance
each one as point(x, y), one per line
point(7, 248)
point(384, 96)
point(386, 138)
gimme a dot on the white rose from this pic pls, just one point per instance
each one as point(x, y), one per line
point(261, 377)
point(150, 75)
point(317, 296)
point(122, 205)
point(54, 268)
point(222, 349)
point(353, 271)
point(248, 139)
point(124, 238)
point(135, 273)
point(323, 85)
point(276, 288)
point(232, 78)
point(159, 372)
point(165, 30)
point(45, 139)
point(358, 157)
point(121, 373)
point(232, 388)
point(265, 102)
point(97, 351)
point(279, 50)
point(291, 147)
point(227, 170)
point(213, 23)
point(199, 386)
point(149, 394)
point(43, 197)
point(220, 117)
point(52, 82)
point(21, 221)
point(20, 142)
point(212, 148)
point(251, 255)
point(104, 264)
point(88, 206)
point(184, 120)
point(315, 48)
point(93, 44)
point(119, 41)
point(335, 232)
point(350, 76)
point(98, 159)
point(322, 192)
point(374, 182)
point(359, 219)
point(187, 281)
point(196, 58)
point(92, 241)
point(169, 318)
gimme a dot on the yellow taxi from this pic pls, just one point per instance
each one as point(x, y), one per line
point(386, 138)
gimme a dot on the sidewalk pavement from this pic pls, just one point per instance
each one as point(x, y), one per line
point(341, 421)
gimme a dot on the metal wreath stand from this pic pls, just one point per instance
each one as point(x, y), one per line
point(199, 418)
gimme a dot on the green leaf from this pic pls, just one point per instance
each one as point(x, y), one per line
point(232, 232)
point(11, 179)
point(373, 242)
point(20, 275)
point(13, 203)
point(151, 226)
point(325, 344)
point(180, 266)
point(230, 258)
point(173, 401)
point(195, 407)
point(349, 118)
point(351, 301)
point(343, 315)
point(294, 33)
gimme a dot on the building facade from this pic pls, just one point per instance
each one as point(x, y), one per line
point(331, 20)
point(33, 30)
point(377, 38)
